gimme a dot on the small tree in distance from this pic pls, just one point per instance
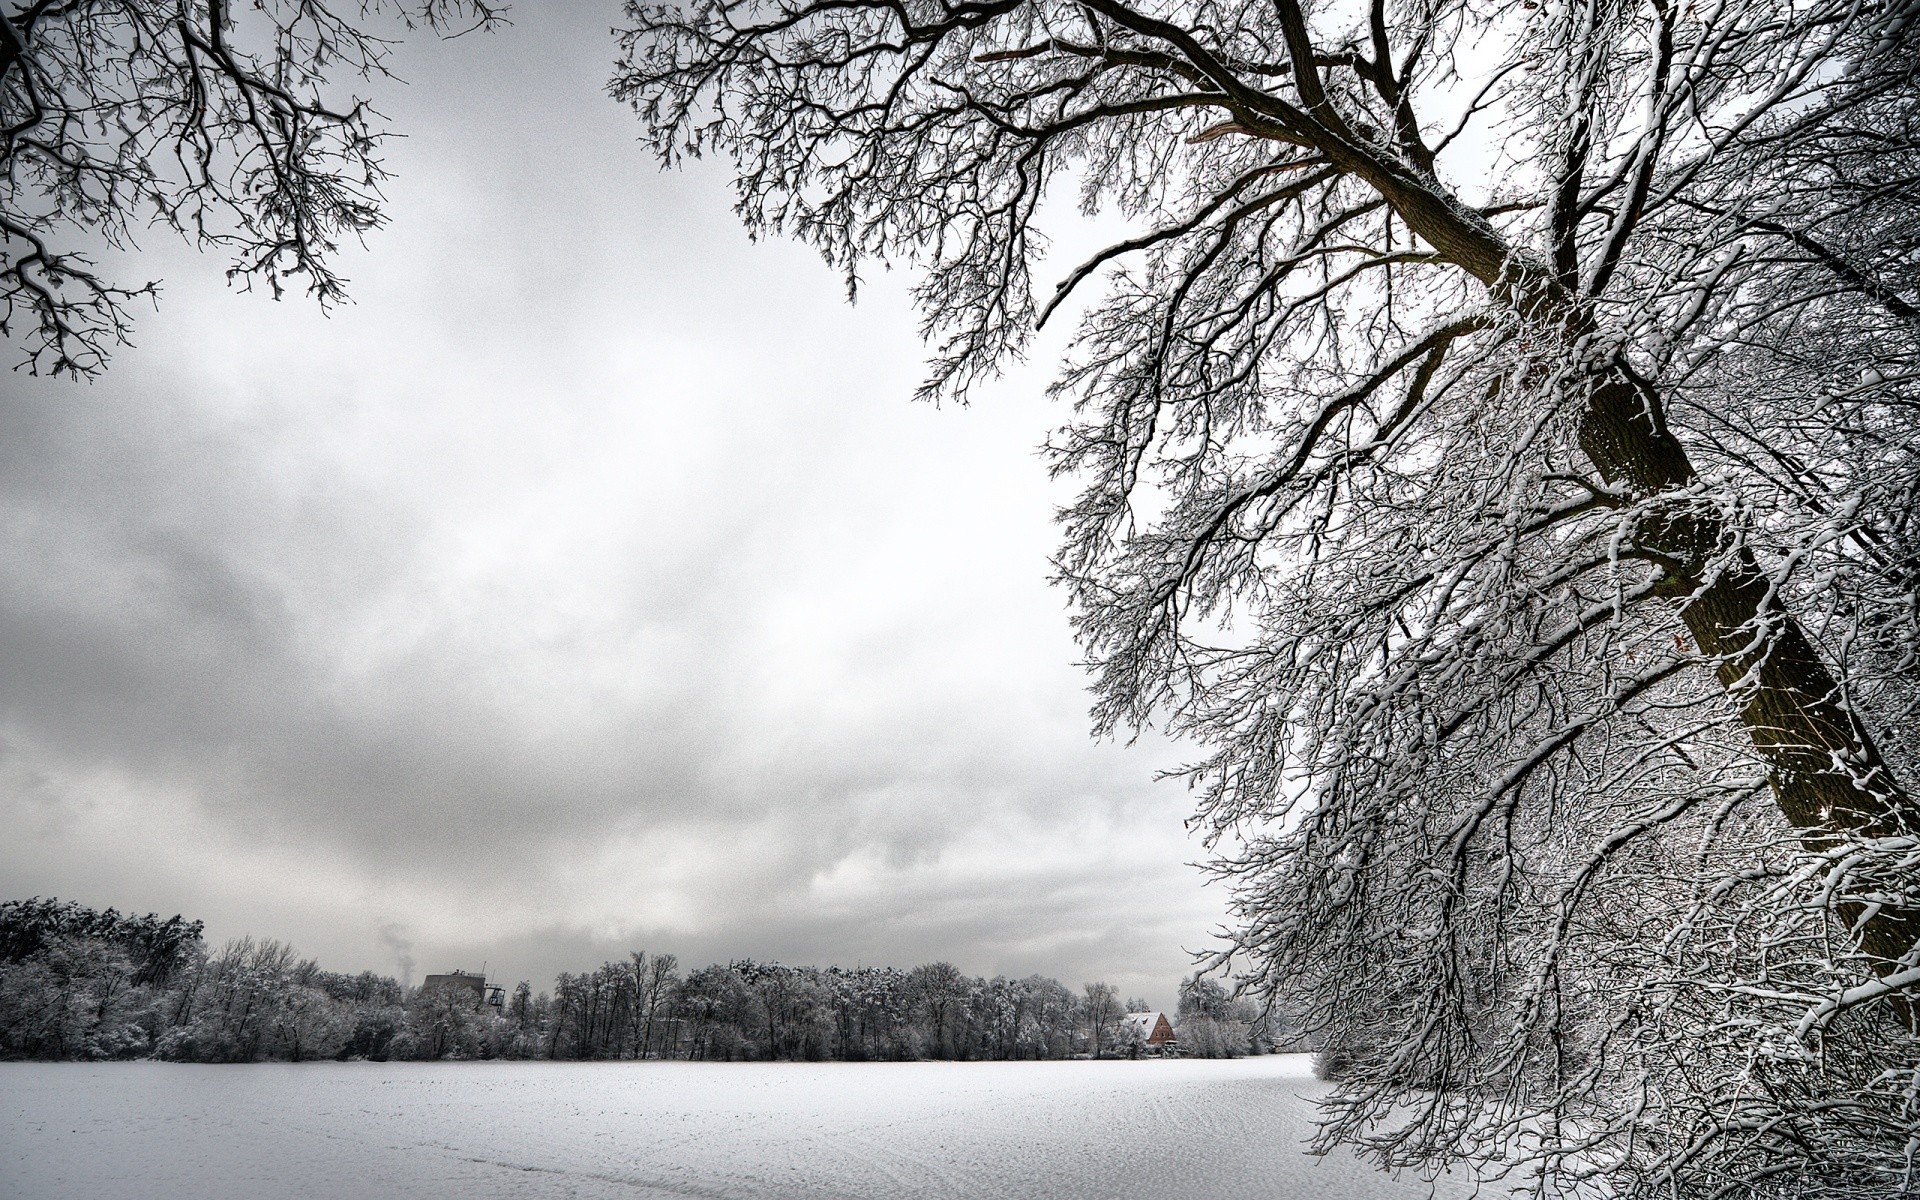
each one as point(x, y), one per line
point(1100, 1011)
point(1211, 1023)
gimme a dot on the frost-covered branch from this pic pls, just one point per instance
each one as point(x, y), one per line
point(221, 124)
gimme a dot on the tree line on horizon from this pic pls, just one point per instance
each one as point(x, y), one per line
point(89, 985)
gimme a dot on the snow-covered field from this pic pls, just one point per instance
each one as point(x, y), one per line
point(1063, 1131)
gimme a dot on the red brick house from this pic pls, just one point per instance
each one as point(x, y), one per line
point(1147, 1029)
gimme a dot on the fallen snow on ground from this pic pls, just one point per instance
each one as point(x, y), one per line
point(1062, 1131)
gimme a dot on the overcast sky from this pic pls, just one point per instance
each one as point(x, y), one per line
point(589, 584)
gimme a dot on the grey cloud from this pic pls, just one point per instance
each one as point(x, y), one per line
point(590, 580)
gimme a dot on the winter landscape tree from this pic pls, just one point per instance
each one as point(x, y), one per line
point(76, 983)
point(1101, 1011)
point(221, 123)
point(1497, 442)
point(1211, 1023)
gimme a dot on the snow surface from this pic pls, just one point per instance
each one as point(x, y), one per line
point(1063, 1131)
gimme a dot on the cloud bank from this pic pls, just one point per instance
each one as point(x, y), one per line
point(588, 584)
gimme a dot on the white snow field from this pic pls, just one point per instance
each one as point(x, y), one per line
point(1062, 1131)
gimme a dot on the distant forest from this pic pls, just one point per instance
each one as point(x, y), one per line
point(81, 984)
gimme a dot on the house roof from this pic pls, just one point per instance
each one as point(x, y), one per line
point(1146, 1022)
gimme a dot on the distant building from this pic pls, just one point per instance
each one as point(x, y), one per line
point(459, 981)
point(1147, 1029)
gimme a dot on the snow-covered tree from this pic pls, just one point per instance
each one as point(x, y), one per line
point(939, 997)
point(1100, 1014)
point(1497, 441)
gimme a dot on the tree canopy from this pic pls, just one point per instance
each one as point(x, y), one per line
point(223, 124)
point(1497, 451)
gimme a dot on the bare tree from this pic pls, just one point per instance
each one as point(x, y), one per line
point(939, 997)
point(221, 123)
point(1100, 1008)
point(1497, 443)
point(662, 975)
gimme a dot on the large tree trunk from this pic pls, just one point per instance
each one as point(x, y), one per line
point(1826, 774)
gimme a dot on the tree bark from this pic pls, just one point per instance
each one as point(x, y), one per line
point(1826, 774)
